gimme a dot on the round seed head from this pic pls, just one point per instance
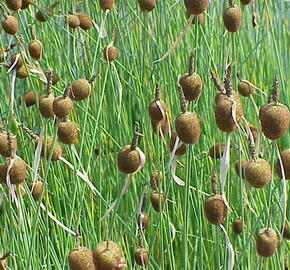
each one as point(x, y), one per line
point(217, 151)
point(162, 125)
point(81, 258)
point(85, 21)
point(188, 127)
point(223, 111)
point(245, 89)
point(128, 160)
point(157, 198)
point(51, 148)
point(196, 7)
point(191, 85)
point(147, 5)
point(35, 49)
point(26, 3)
point(67, 132)
point(240, 166)
point(238, 226)
point(285, 157)
point(154, 110)
point(141, 256)
point(258, 172)
point(106, 4)
point(14, 4)
point(108, 256)
point(266, 242)
point(17, 172)
point(215, 209)
point(143, 220)
point(36, 190)
point(62, 106)
point(22, 72)
point(19, 62)
point(245, 2)
point(275, 120)
point(232, 18)
point(73, 21)
point(181, 150)
point(110, 53)
point(4, 144)
point(156, 178)
point(10, 25)
point(29, 98)
point(80, 89)
point(255, 132)
point(45, 106)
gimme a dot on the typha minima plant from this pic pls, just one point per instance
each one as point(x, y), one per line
point(147, 5)
point(35, 46)
point(285, 163)
point(191, 82)
point(196, 7)
point(16, 60)
point(245, 88)
point(214, 206)
point(157, 199)
point(46, 101)
point(187, 123)
point(13, 4)
point(3, 261)
point(73, 21)
point(108, 255)
point(228, 106)
point(266, 242)
point(29, 98)
point(258, 171)
point(54, 76)
point(26, 3)
point(110, 52)
point(37, 190)
point(22, 72)
point(44, 13)
point(62, 105)
point(86, 22)
point(106, 4)
point(216, 151)
point(156, 177)
point(238, 226)
point(9, 23)
point(81, 88)
point(142, 216)
point(180, 150)
point(7, 138)
point(232, 17)
point(81, 258)
point(274, 116)
point(141, 254)
point(67, 131)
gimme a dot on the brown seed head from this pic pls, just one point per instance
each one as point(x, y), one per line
point(245, 89)
point(147, 5)
point(35, 49)
point(155, 112)
point(80, 89)
point(26, 3)
point(180, 150)
point(215, 209)
point(37, 190)
point(85, 21)
point(191, 85)
point(51, 147)
point(45, 106)
point(238, 226)
point(196, 7)
point(22, 72)
point(232, 18)
point(81, 258)
point(286, 231)
point(19, 62)
point(14, 4)
point(73, 21)
point(128, 160)
point(106, 4)
point(29, 98)
point(143, 220)
point(141, 256)
point(10, 25)
point(162, 126)
point(245, 2)
point(17, 172)
point(62, 106)
point(157, 198)
point(4, 144)
point(110, 53)
point(67, 132)
point(266, 242)
point(156, 178)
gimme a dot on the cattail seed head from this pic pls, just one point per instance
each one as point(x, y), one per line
point(73, 21)
point(5, 149)
point(245, 89)
point(238, 226)
point(106, 4)
point(35, 49)
point(67, 132)
point(141, 256)
point(29, 98)
point(196, 7)
point(147, 5)
point(85, 21)
point(110, 53)
point(232, 18)
point(17, 172)
point(215, 209)
point(46, 106)
point(10, 24)
point(37, 189)
point(80, 89)
point(157, 198)
point(81, 258)
point(266, 242)
point(51, 147)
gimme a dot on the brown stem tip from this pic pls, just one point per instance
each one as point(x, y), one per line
point(191, 63)
point(182, 99)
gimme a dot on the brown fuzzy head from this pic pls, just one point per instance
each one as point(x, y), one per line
point(17, 172)
point(196, 7)
point(155, 178)
point(238, 226)
point(275, 120)
point(81, 258)
point(73, 21)
point(29, 98)
point(62, 106)
point(157, 110)
point(4, 144)
point(141, 256)
point(191, 85)
point(245, 2)
point(80, 89)
point(162, 126)
point(22, 72)
point(19, 62)
point(223, 111)
point(106, 4)
point(26, 3)
point(266, 242)
point(10, 25)
point(143, 220)
point(108, 256)
point(110, 53)
point(240, 166)
point(147, 5)
point(258, 172)
point(67, 132)
point(157, 198)
point(232, 18)
point(51, 148)
point(35, 49)
point(217, 151)
point(215, 209)
point(285, 157)
point(188, 127)
point(128, 160)
point(181, 150)
point(245, 89)
point(85, 21)
point(37, 189)
point(45, 106)
point(199, 19)
point(14, 4)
